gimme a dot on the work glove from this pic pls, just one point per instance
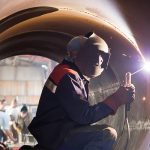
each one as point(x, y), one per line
point(124, 95)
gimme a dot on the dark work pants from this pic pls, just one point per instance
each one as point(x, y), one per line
point(3, 137)
point(95, 137)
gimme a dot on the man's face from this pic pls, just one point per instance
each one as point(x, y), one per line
point(93, 59)
point(23, 114)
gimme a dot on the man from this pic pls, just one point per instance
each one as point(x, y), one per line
point(13, 111)
point(64, 116)
point(23, 120)
point(4, 123)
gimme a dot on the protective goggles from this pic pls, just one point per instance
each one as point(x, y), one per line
point(106, 57)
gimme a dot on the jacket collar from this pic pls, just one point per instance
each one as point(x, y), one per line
point(74, 67)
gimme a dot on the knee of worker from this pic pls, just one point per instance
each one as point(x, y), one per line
point(110, 133)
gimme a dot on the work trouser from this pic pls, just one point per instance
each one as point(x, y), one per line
point(3, 137)
point(95, 137)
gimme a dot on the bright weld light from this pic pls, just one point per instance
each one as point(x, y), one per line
point(147, 66)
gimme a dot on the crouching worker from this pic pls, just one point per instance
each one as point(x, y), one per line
point(64, 116)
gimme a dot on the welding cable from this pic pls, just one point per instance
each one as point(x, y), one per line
point(128, 127)
point(125, 123)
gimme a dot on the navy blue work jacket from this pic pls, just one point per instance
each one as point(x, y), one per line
point(63, 106)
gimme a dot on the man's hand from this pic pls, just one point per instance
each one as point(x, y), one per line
point(123, 95)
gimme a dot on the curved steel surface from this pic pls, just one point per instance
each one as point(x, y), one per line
point(45, 28)
point(23, 15)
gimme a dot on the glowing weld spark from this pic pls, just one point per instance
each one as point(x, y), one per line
point(146, 67)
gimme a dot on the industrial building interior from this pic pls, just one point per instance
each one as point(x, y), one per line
point(33, 38)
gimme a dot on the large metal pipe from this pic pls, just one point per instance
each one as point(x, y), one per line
point(47, 36)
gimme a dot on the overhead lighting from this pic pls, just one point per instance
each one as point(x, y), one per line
point(44, 67)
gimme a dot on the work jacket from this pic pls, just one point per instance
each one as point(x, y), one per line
point(64, 106)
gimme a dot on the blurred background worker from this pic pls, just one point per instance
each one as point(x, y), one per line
point(13, 111)
point(5, 132)
point(64, 119)
point(23, 120)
